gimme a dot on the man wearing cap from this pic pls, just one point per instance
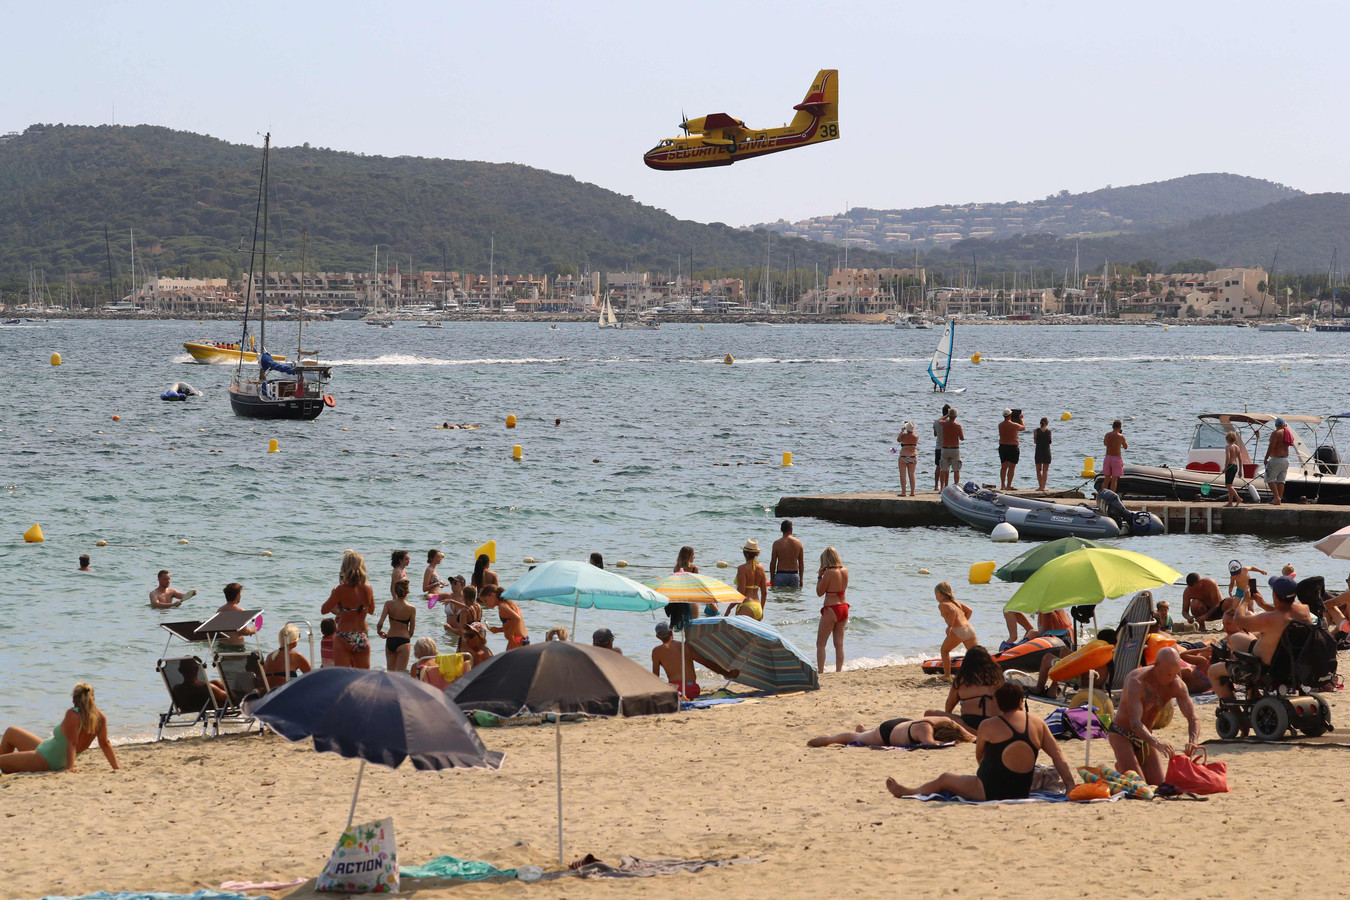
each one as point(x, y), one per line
point(787, 562)
point(673, 658)
point(1277, 460)
point(752, 582)
point(1009, 432)
point(1267, 626)
point(604, 638)
point(937, 451)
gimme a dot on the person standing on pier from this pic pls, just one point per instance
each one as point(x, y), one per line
point(949, 460)
point(1042, 438)
point(909, 456)
point(937, 451)
point(1277, 460)
point(1009, 449)
point(1114, 465)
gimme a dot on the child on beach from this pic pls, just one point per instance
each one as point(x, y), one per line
point(328, 628)
point(1232, 459)
point(959, 631)
point(1241, 585)
point(402, 617)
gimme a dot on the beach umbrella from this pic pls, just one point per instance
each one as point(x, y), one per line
point(691, 587)
point(562, 677)
point(1088, 576)
point(1021, 567)
point(374, 716)
point(1336, 545)
point(580, 585)
point(767, 660)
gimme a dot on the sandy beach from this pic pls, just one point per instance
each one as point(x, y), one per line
point(734, 781)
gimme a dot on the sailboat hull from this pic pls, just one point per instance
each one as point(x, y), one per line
point(295, 408)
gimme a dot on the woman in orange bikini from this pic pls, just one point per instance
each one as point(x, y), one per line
point(831, 584)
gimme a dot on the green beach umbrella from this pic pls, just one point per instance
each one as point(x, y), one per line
point(1088, 576)
point(1022, 567)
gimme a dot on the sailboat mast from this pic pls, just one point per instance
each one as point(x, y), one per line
point(300, 332)
point(252, 258)
point(262, 297)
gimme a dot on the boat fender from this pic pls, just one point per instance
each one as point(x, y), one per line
point(328, 401)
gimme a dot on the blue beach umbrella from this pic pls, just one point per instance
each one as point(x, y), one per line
point(579, 585)
point(767, 660)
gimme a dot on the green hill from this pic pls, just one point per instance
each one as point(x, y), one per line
point(190, 199)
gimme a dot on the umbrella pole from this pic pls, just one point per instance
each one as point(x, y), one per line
point(557, 745)
point(1092, 677)
point(352, 812)
point(572, 635)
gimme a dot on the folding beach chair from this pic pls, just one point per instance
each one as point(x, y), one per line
point(244, 679)
point(188, 683)
point(1130, 640)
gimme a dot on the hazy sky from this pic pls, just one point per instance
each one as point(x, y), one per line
point(939, 102)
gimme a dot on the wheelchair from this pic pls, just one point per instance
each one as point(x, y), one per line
point(1281, 698)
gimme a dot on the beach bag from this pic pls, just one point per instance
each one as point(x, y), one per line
point(1196, 775)
point(363, 862)
point(1093, 790)
point(1074, 724)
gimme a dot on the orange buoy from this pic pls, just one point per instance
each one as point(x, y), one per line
point(328, 401)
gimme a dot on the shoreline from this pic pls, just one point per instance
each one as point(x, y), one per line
point(728, 782)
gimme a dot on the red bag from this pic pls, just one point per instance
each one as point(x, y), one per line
point(1197, 775)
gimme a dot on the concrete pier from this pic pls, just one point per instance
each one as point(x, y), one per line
point(888, 509)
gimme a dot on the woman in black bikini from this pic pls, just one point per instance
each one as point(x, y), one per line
point(285, 662)
point(1006, 747)
point(925, 732)
point(402, 617)
point(973, 687)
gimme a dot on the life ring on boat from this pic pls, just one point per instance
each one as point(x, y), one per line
point(1092, 655)
point(329, 402)
point(1156, 642)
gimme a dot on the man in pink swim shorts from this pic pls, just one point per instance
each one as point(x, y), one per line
point(1114, 465)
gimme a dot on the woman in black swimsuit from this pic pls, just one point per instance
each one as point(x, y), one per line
point(402, 617)
point(925, 732)
point(973, 687)
point(1042, 438)
point(1006, 747)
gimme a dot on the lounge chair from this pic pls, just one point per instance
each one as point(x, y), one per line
point(188, 683)
point(244, 679)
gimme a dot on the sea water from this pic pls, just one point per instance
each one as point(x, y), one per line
point(660, 444)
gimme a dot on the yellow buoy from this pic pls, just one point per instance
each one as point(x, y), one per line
point(517, 452)
point(975, 359)
point(923, 572)
point(56, 359)
point(787, 458)
point(100, 543)
point(529, 560)
point(980, 572)
point(273, 446)
point(1064, 416)
point(511, 421)
point(1089, 467)
point(729, 359)
point(700, 328)
point(490, 548)
point(267, 553)
point(721, 564)
point(34, 535)
point(621, 564)
point(1165, 328)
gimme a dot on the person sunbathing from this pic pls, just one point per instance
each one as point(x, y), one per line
point(973, 689)
point(1006, 747)
point(930, 732)
point(84, 723)
point(1148, 689)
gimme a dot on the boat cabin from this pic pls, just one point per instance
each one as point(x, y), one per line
point(1253, 430)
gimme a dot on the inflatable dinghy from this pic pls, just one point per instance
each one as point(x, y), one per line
point(180, 390)
point(1025, 657)
point(984, 509)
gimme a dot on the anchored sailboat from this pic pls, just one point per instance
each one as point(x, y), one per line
point(278, 390)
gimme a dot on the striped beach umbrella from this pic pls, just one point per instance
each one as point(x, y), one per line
point(691, 587)
point(767, 660)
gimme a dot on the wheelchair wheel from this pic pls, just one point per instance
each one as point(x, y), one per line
point(1228, 724)
point(1323, 722)
point(1270, 719)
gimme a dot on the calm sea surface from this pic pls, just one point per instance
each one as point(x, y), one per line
point(635, 470)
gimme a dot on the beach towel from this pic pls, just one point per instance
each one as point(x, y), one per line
point(261, 885)
point(448, 866)
point(915, 747)
point(1036, 797)
point(153, 895)
point(489, 720)
point(632, 867)
point(709, 703)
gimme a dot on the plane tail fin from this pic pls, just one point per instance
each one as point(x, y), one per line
point(821, 105)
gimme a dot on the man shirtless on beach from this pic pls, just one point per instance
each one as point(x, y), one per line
point(1267, 626)
point(1202, 601)
point(233, 641)
point(671, 656)
point(165, 597)
point(1147, 692)
point(513, 622)
point(787, 562)
point(1113, 466)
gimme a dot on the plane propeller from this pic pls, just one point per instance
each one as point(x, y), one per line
point(684, 123)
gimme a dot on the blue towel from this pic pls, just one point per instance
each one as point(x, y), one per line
point(1036, 797)
point(706, 704)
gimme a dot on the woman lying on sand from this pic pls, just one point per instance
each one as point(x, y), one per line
point(23, 751)
point(930, 731)
point(1006, 748)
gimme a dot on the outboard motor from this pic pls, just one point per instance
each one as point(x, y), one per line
point(1326, 460)
point(1134, 523)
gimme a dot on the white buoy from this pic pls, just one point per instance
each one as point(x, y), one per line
point(1004, 533)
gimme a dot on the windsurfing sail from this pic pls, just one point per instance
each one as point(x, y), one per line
point(941, 365)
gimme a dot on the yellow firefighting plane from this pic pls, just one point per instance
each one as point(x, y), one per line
point(720, 140)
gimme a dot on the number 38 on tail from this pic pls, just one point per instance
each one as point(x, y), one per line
point(720, 140)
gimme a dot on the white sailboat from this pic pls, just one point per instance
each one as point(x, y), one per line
point(607, 317)
point(940, 367)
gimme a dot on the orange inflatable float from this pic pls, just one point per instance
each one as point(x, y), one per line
point(1092, 655)
point(1154, 643)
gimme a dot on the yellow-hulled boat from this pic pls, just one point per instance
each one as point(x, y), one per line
point(204, 352)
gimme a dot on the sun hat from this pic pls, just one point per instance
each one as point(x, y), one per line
point(751, 546)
